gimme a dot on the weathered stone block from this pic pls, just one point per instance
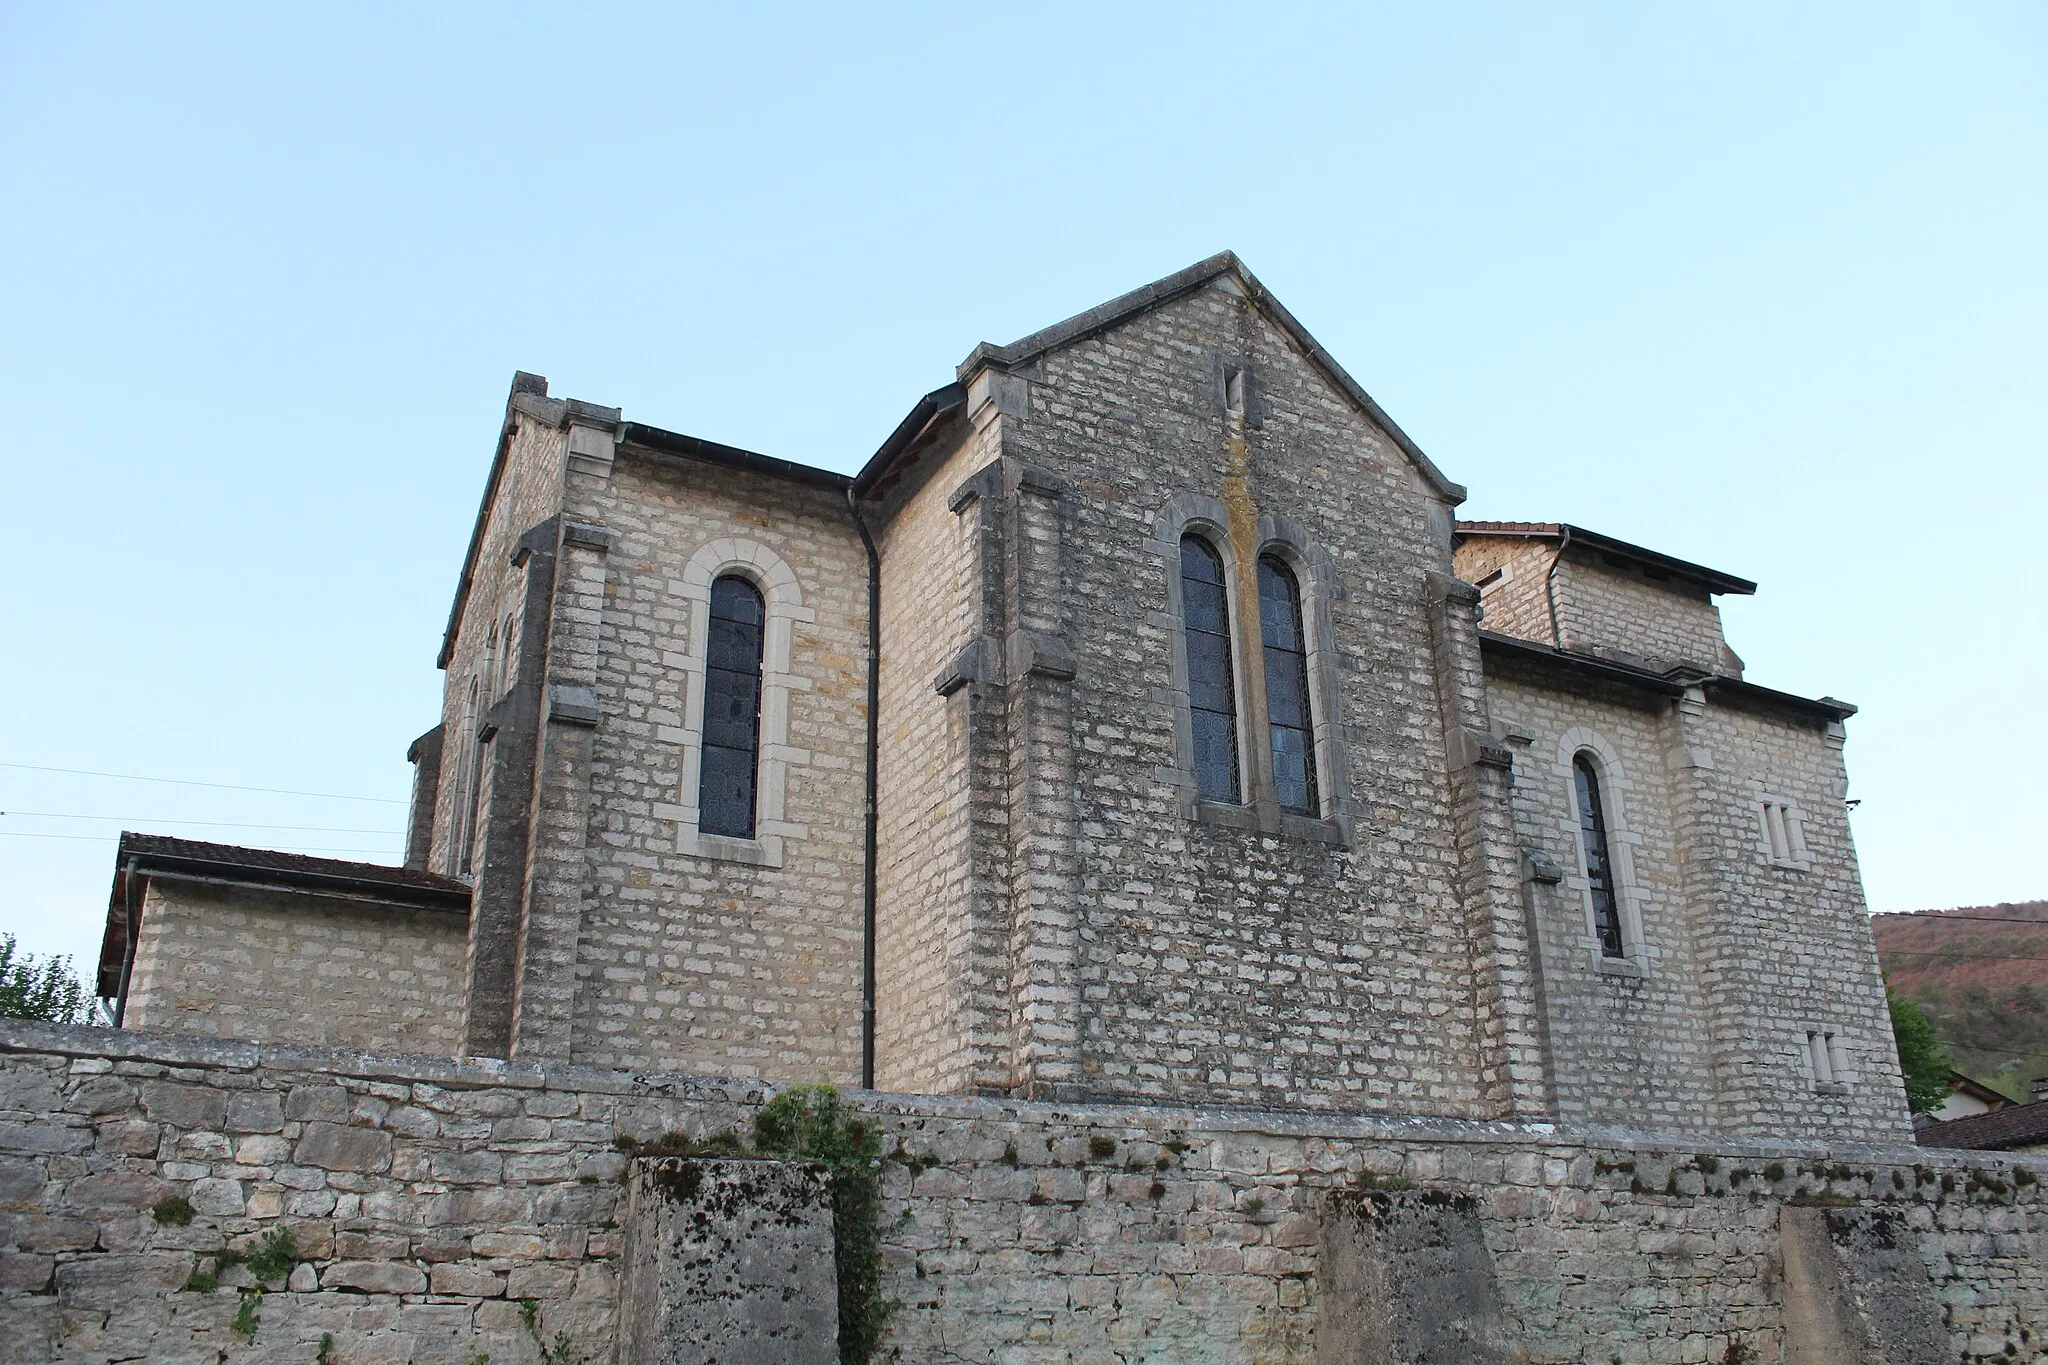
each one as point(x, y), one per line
point(470, 1281)
point(187, 1106)
point(111, 1282)
point(19, 1270)
point(327, 1103)
point(255, 1111)
point(219, 1197)
point(115, 1190)
point(101, 1095)
point(375, 1277)
point(21, 1181)
point(1406, 1276)
point(1857, 1291)
point(728, 1262)
point(338, 1147)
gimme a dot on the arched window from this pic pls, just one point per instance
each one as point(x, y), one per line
point(1287, 704)
point(1212, 697)
point(470, 793)
point(1599, 865)
point(732, 709)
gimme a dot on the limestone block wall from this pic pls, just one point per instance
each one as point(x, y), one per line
point(1602, 606)
point(1627, 1045)
point(941, 969)
point(241, 963)
point(481, 662)
point(1327, 967)
point(1609, 606)
point(1736, 960)
point(1517, 602)
point(1787, 954)
point(432, 1200)
point(738, 958)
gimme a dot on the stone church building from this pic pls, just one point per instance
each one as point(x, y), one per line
point(1139, 723)
point(1261, 916)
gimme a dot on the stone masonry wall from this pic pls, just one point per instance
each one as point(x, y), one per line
point(240, 963)
point(932, 947)
point(1626, 1039)
point(1284, 967)
point(1788, 950)
point(431, 1200)
point(1608, 607)
point(1732, 960)
point(1516, 603)
point(687, 959)
point(528, 493)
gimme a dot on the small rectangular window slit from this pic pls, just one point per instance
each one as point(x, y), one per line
point(1233, 391)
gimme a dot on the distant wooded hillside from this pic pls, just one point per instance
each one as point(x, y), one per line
point(1981, 973)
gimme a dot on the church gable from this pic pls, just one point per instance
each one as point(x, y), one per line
point(1225, 274)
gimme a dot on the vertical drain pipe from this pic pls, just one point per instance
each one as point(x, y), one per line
point(867, 946)
point(1564, 541)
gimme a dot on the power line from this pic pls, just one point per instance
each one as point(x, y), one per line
point(218, 786)
point(115, 839)
point(210, 824)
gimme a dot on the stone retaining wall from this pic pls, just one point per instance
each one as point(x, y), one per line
point(434, 1200)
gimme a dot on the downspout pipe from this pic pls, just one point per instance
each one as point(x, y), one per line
point(129, 882)
point(867, 945)
point(1564, 541)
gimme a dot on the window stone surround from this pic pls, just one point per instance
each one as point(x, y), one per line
point(783, 597)
point(1639, 954)
point(1209, 518)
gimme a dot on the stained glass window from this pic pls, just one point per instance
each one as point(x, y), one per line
point(732, 710)
point(1287, 703)
point(1599, 867)
point(1212, 698)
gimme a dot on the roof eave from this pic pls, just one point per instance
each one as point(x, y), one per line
point(1713, 580)
point(729, 457)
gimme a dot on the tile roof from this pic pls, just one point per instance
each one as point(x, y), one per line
point(272, 860)
point(160, 855)
point(2018, 1125)
point(1713, 580)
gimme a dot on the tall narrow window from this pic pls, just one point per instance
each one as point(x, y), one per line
point(471, 791)
point(732, 710)
point(1599, 866)
point(1212, 697)
point(1287, 705)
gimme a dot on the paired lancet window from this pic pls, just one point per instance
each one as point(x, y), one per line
point(1212, 690)
point(1598, 857)
point(732, 709)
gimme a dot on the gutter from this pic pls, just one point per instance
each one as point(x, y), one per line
point(874, 745)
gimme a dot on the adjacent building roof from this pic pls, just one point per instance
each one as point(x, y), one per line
point(2016, 1125)
point(1713, 580)
point(1665, 684)
point(145, 856)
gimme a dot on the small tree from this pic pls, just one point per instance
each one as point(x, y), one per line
point(45, 989)
point(1923, 1060)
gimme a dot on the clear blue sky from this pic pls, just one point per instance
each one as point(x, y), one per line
point(1759, 285)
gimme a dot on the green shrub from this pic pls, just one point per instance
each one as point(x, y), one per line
point(811, 1123)
point(174, 1212)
